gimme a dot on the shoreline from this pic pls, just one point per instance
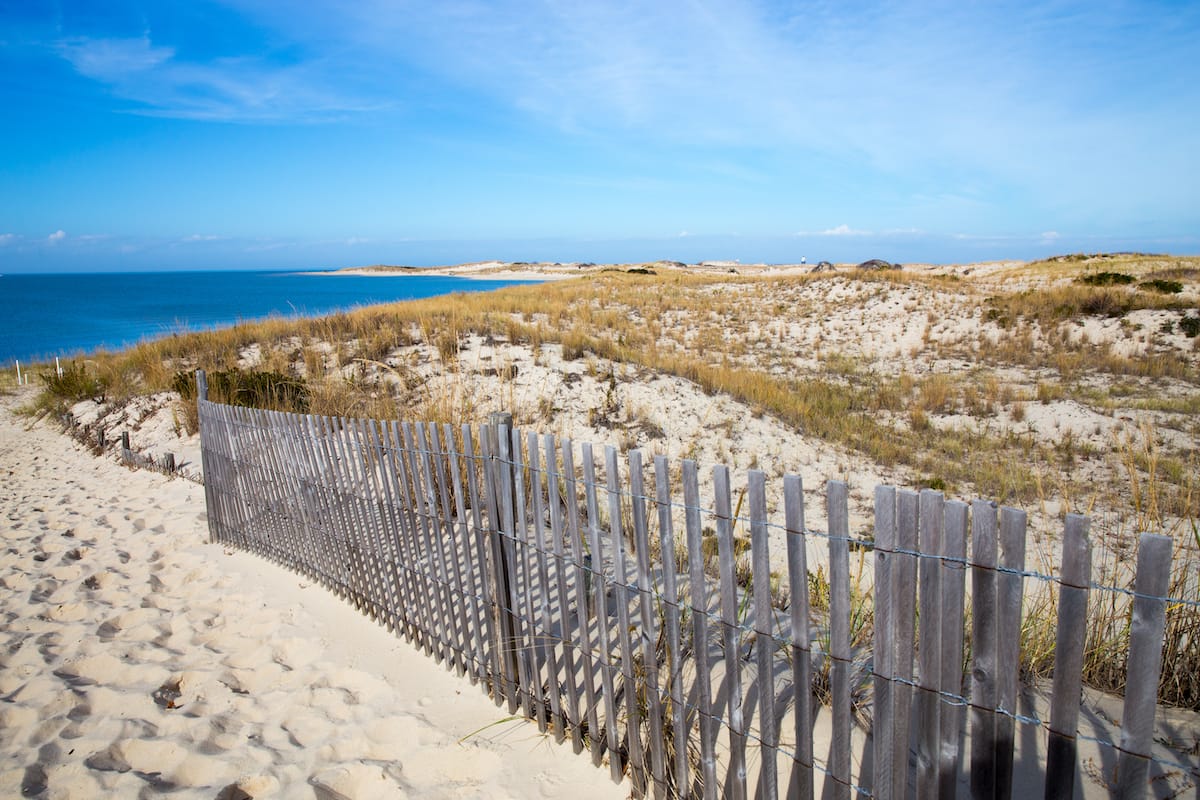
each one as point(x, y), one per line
point(446, 272)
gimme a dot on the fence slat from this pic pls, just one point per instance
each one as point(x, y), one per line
point(421, 496)
point(700, 612)
point(583, 628)
point(464, 559)
point(368, 529)
point(929, 732)
point(314, 489)
point(347, 462)
point(545, 638)
point(904, 600)
point(620, 594)
point(764, 629)
point(331, 445)
point(1145, 662)
point(884, 706)
point(953, 589)
point(567, 616)
point(520, 553)
point(498, 522)
point(727, 558)
point(983, 649)
point(1076, 572)
point(1010, 588)
point(400, 585)
point(600, 590)
point(490, 652)
point(680, 732)
point(836, 506)
point(433, 463)
point(648, 629)
point(373, 491)
point(801, 783)
point(410, 547)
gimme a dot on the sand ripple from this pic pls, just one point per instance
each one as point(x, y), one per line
point(133, 664)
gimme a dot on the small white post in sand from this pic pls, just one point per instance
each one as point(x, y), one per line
point(18, 371)
point(57, 367)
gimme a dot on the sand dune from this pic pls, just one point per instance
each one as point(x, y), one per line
point(136, 659)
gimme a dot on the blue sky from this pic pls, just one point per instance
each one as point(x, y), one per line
point(252, 133)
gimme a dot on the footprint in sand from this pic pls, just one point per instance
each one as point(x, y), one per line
point(17, 582)
point(360, 781)
point(67, 612)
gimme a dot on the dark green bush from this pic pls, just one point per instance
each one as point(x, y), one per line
point(1190, 326)
point(1161, 286)
point(1106, 279)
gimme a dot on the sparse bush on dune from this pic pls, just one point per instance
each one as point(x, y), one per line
point(1106, 279)
point(772, 344)
point(1162, 286)
point(249, 388)
point(75, 383)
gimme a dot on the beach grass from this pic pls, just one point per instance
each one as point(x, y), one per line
point(961, 381)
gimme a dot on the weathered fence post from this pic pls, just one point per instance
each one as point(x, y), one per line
point(169, 462)
point(502, 546)
point(206, 458)
point(126, 450)
point(1068, 659)
point(1145, 662)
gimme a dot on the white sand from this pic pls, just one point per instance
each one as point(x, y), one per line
point(136, 659)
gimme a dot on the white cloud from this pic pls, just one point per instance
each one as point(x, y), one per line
point(57, 236)
point(1050, 236)
point(7, 238)
point(844, 230)
point(198, 237)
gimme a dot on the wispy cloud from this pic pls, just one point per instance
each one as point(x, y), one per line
point(837, 230)
point(7, 238)
point(113, 60)
point(56, 237)
point(198, 237)
point(247, 87)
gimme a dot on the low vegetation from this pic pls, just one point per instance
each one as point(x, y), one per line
point(1017, 385)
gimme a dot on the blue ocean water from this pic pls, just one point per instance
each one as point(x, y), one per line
point(43, 316)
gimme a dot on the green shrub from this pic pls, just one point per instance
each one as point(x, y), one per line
point(1161, 286)
point(1190, 326)
point(1106, 279)
point(74, 384)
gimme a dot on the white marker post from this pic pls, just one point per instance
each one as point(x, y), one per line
point(18, 371)
point(57, 367)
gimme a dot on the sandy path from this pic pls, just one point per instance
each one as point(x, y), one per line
point(135, 660)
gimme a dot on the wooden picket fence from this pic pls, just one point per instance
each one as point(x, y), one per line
point(600, 609)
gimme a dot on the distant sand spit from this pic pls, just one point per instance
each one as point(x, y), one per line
point(136, 659)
